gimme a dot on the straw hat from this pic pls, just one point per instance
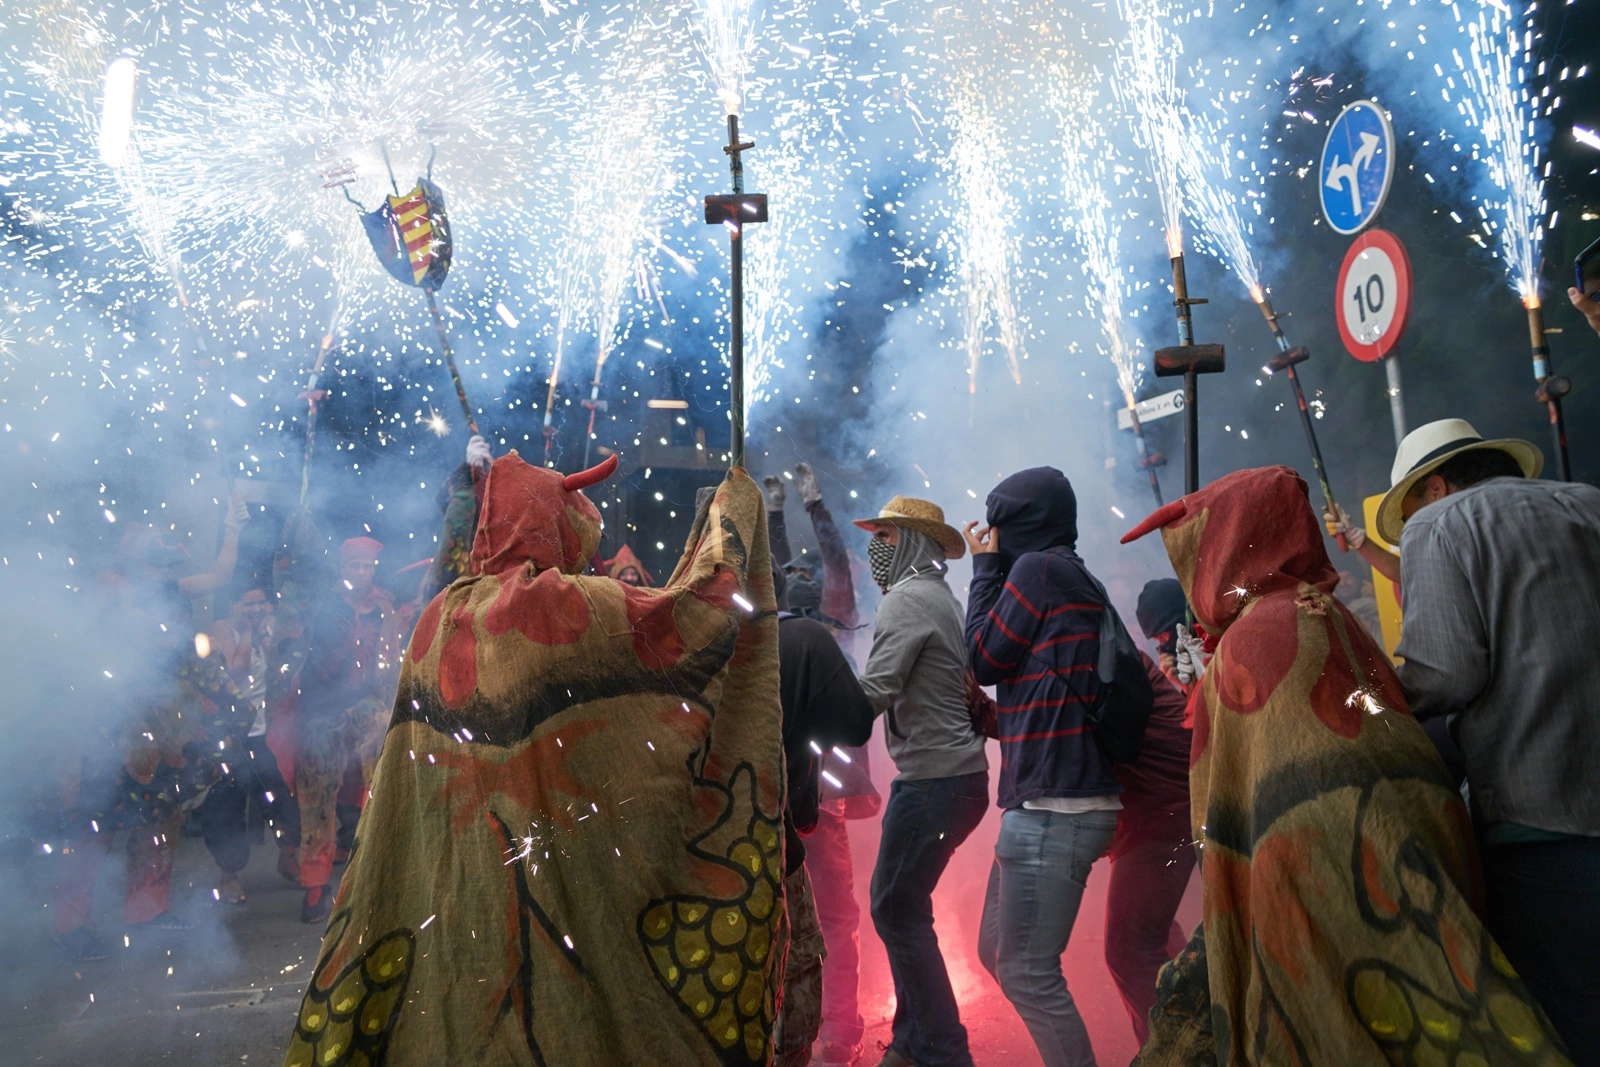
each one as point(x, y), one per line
point(1422, 452)
point(923, 516)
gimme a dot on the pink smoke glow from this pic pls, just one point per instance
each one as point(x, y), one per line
point(996, 1034)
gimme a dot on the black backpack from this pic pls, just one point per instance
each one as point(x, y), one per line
point(1119, 717)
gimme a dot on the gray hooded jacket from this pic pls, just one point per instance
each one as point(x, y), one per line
point(916, 672)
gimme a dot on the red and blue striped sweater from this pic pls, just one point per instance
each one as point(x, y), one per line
point(1034, 634)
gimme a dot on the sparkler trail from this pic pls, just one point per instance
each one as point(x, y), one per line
point(1096, 232)
point(1502, 106)
point(342, 95)
point(982, 241)
point(1211, 202)
point(621, 169)
point(727, 38)
point(1085, 167)
point(1146, 83)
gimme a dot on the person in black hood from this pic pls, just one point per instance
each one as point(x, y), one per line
point(1033, 631)
point(823, 706)
point(1161, 610)
point(1152, 854)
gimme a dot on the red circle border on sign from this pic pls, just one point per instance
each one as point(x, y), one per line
point(1389, 243)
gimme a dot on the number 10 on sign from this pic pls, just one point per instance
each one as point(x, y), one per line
point(1374, 296)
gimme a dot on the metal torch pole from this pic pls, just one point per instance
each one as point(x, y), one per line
point(1146, 460)
point(450, 360)
point(736, 353)
point(1551, 389)
point(1191, 391)
point(1191, 361)
point(1397, 399)
point(1286, 360)
point(736, 211)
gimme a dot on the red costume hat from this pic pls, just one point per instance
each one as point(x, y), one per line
point(360, 548)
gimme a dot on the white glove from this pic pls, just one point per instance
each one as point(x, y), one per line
point(478, 454)
point(773, 488)
point(1190, 656)
point(238, 515)
point(805, 479)
point(1338, 521)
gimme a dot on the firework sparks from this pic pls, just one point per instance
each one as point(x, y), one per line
point(1084, 171)
point(1212, 202)
point(1501, 106)
point(982, 240)
point(1146, 82)
point(727, 32)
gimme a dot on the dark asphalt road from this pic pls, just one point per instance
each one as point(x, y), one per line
point(224, 994)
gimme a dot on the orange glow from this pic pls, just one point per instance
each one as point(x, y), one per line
point(1258, 294)
point(1530, 301)
point(1174, 243)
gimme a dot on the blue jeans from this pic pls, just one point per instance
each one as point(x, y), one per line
point(1041, 865)
point(923, 824)
point(1544, 911)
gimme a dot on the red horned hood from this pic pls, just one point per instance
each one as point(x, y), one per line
point(1240, 538)
point(536, 515)
point(624, 559)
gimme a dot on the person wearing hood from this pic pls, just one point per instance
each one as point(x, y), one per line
point(178, 721)
point(1496, 646)
point(1342, 901)
point(574, 853)
point(459, 503)
point(1033, 631)
point(916, 678)
point(626, 568)
point(823, 707)
point(346, 684)
point(1152, 855)
point(845, 771)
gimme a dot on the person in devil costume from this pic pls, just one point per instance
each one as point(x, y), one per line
point(573, 853)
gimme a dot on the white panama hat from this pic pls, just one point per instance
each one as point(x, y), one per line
point(1422, 452)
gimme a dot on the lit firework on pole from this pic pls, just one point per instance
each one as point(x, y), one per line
point(1502, 105)
point(1212, 206)
point(1146, 82)
point(727, 38)
point(303, 102)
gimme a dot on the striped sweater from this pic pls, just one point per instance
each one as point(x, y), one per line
point(1034, 634)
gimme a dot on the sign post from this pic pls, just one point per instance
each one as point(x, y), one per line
point(1374, 302)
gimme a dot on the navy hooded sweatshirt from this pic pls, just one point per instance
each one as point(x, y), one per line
point(1033, 632)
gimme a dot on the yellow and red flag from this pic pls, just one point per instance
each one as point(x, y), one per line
point(411, 235)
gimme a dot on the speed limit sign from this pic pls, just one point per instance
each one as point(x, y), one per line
point(1374, 297)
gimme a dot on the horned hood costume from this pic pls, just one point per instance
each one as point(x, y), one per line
point(573, 850)
point(1342, 898)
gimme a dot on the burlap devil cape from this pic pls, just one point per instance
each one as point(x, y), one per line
point(1341, 887)
point(572, 854)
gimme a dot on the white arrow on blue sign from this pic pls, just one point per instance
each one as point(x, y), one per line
point(1357, 166)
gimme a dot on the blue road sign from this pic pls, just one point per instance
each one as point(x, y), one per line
point(1357, 166)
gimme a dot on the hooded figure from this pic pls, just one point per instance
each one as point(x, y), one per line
point(1038, 511)
point(1342, 897)
point(625, 567)
point(1160, 611)
point(573, 853)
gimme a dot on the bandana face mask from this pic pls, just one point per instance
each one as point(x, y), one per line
point(880, 557)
